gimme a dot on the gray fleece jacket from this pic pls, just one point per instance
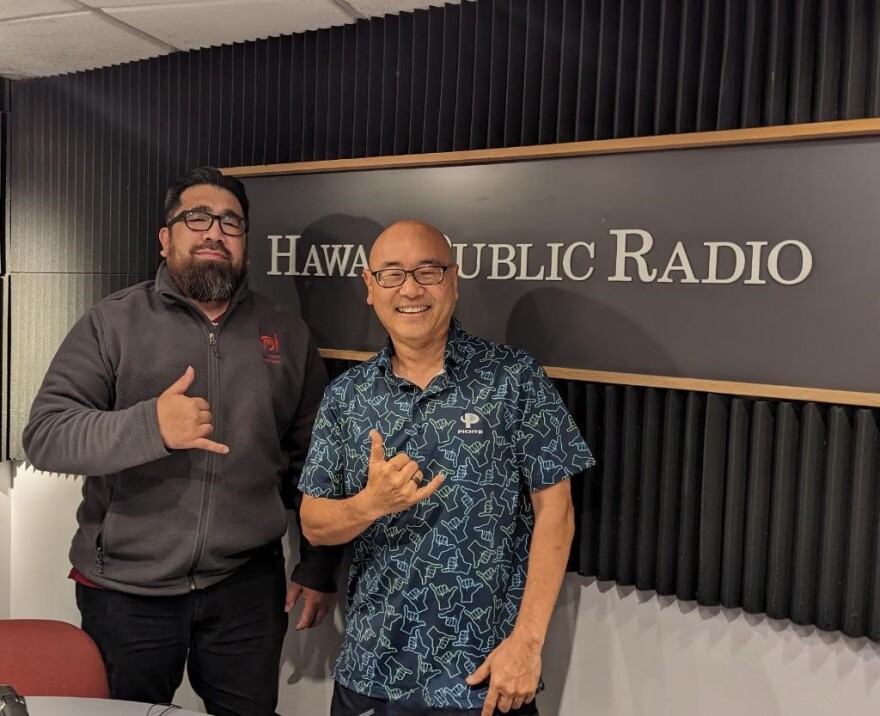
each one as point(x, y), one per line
point(160, 522)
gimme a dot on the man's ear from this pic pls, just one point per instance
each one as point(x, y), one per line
point(368, 280)
point(165, 241)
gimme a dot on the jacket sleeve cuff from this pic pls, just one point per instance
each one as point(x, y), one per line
point(155, 445)
point(320, 571)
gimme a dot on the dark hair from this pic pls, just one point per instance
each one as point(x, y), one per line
point(197, 177)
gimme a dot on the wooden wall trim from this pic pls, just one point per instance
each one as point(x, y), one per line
point(729, 137)
point(700, 385)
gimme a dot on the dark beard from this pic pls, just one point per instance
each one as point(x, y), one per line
point(206, 281)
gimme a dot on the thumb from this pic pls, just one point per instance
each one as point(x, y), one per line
point(292, 598)
point(377, 447)
point(481, 674)
point(182, 384)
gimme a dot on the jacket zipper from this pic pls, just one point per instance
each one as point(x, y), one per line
point(169, 295)
point(207, 490)
point(212, 341)
point(99, 546)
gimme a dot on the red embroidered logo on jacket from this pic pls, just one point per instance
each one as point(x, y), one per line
point(271, 348)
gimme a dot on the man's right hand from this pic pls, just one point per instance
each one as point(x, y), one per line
point(185, 422)
point(394, 485)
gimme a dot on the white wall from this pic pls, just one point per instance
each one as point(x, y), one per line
point(611, 651)
point(5, 535)
point(617, 652)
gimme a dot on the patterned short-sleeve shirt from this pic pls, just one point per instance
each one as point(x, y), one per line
point(433, 589)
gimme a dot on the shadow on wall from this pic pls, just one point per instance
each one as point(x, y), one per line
point(312, 652)
point(356, 327)
point(541, 323)
point(848, 655)
point(559, 648)
point(658, 644)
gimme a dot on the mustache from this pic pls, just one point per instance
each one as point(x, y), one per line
point(212, 246)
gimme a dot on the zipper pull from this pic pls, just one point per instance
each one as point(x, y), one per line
point(213, 343)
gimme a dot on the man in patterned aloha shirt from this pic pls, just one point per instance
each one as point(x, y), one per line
point(446, 459)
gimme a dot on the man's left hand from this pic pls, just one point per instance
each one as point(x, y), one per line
point(513, 669)
point(316, 605)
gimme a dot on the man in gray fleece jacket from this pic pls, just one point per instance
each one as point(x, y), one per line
point(188, 402)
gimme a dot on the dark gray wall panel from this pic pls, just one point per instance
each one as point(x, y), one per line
point(765, 516)
point(70, 295)
point(4, 168)
point(5, 87)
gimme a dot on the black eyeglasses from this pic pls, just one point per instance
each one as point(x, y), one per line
point(230, 224)
point(423, 275)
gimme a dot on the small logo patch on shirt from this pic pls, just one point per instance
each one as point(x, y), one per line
point(271, 348)
point(470, 420)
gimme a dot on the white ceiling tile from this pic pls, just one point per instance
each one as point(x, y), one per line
point(190, 25)
point(68, 43)
point(147, 3)
point(78, 39)
point(26, 8)
point(377, 8)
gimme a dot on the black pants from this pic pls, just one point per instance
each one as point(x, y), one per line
point(229, 636)
point(348, 703)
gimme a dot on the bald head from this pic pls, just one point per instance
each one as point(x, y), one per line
point(406, 234)
point(417, 312)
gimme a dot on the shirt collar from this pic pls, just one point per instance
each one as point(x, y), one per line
point(455, 345)
point(453, 354)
